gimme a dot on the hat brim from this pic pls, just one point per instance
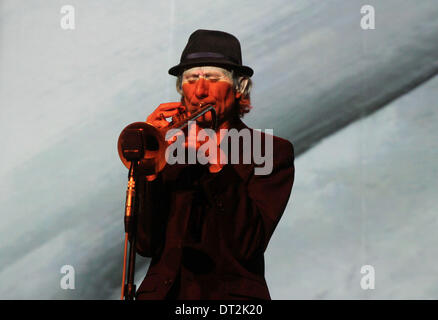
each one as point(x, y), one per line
point(179, 69)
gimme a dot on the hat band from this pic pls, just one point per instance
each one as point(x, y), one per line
point(197, 55)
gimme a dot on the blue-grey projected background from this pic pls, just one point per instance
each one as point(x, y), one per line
point(360, 106)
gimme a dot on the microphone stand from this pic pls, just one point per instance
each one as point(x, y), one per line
point(128, 289)
point(132, 146)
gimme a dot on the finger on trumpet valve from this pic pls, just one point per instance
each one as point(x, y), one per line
point(175, 118)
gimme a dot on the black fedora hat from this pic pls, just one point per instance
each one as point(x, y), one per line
point(212, 48)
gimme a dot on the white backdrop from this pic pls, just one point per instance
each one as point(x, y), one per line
point(363, 195)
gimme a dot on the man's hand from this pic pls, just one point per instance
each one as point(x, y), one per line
point(158, 119)
point(164, 110)
point(215, 165)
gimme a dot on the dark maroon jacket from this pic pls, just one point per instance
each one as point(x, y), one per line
point(207, 232)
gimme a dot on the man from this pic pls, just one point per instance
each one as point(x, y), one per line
point(206, 227)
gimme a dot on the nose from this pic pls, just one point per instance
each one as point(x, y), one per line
point(201, 88)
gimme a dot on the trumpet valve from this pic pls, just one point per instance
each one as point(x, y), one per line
point(175, 118)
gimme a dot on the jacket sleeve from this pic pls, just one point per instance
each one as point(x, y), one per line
point(268, 196)
point(151, 216)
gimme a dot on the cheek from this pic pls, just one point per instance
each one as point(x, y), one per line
point(222, 91)
point(188, 90)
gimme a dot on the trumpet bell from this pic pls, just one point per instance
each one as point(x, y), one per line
point(142, 142)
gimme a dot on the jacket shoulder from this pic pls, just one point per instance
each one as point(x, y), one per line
point(282, 149)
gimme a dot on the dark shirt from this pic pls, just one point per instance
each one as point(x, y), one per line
point(194, 276)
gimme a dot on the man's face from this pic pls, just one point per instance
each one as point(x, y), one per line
point(209, 85)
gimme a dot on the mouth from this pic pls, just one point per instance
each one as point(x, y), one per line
point(196, 107)
point(201, 105)
point(202, 120)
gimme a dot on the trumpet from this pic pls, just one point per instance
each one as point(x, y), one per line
point(146, 144)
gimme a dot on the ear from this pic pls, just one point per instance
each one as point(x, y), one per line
point(243, 82)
